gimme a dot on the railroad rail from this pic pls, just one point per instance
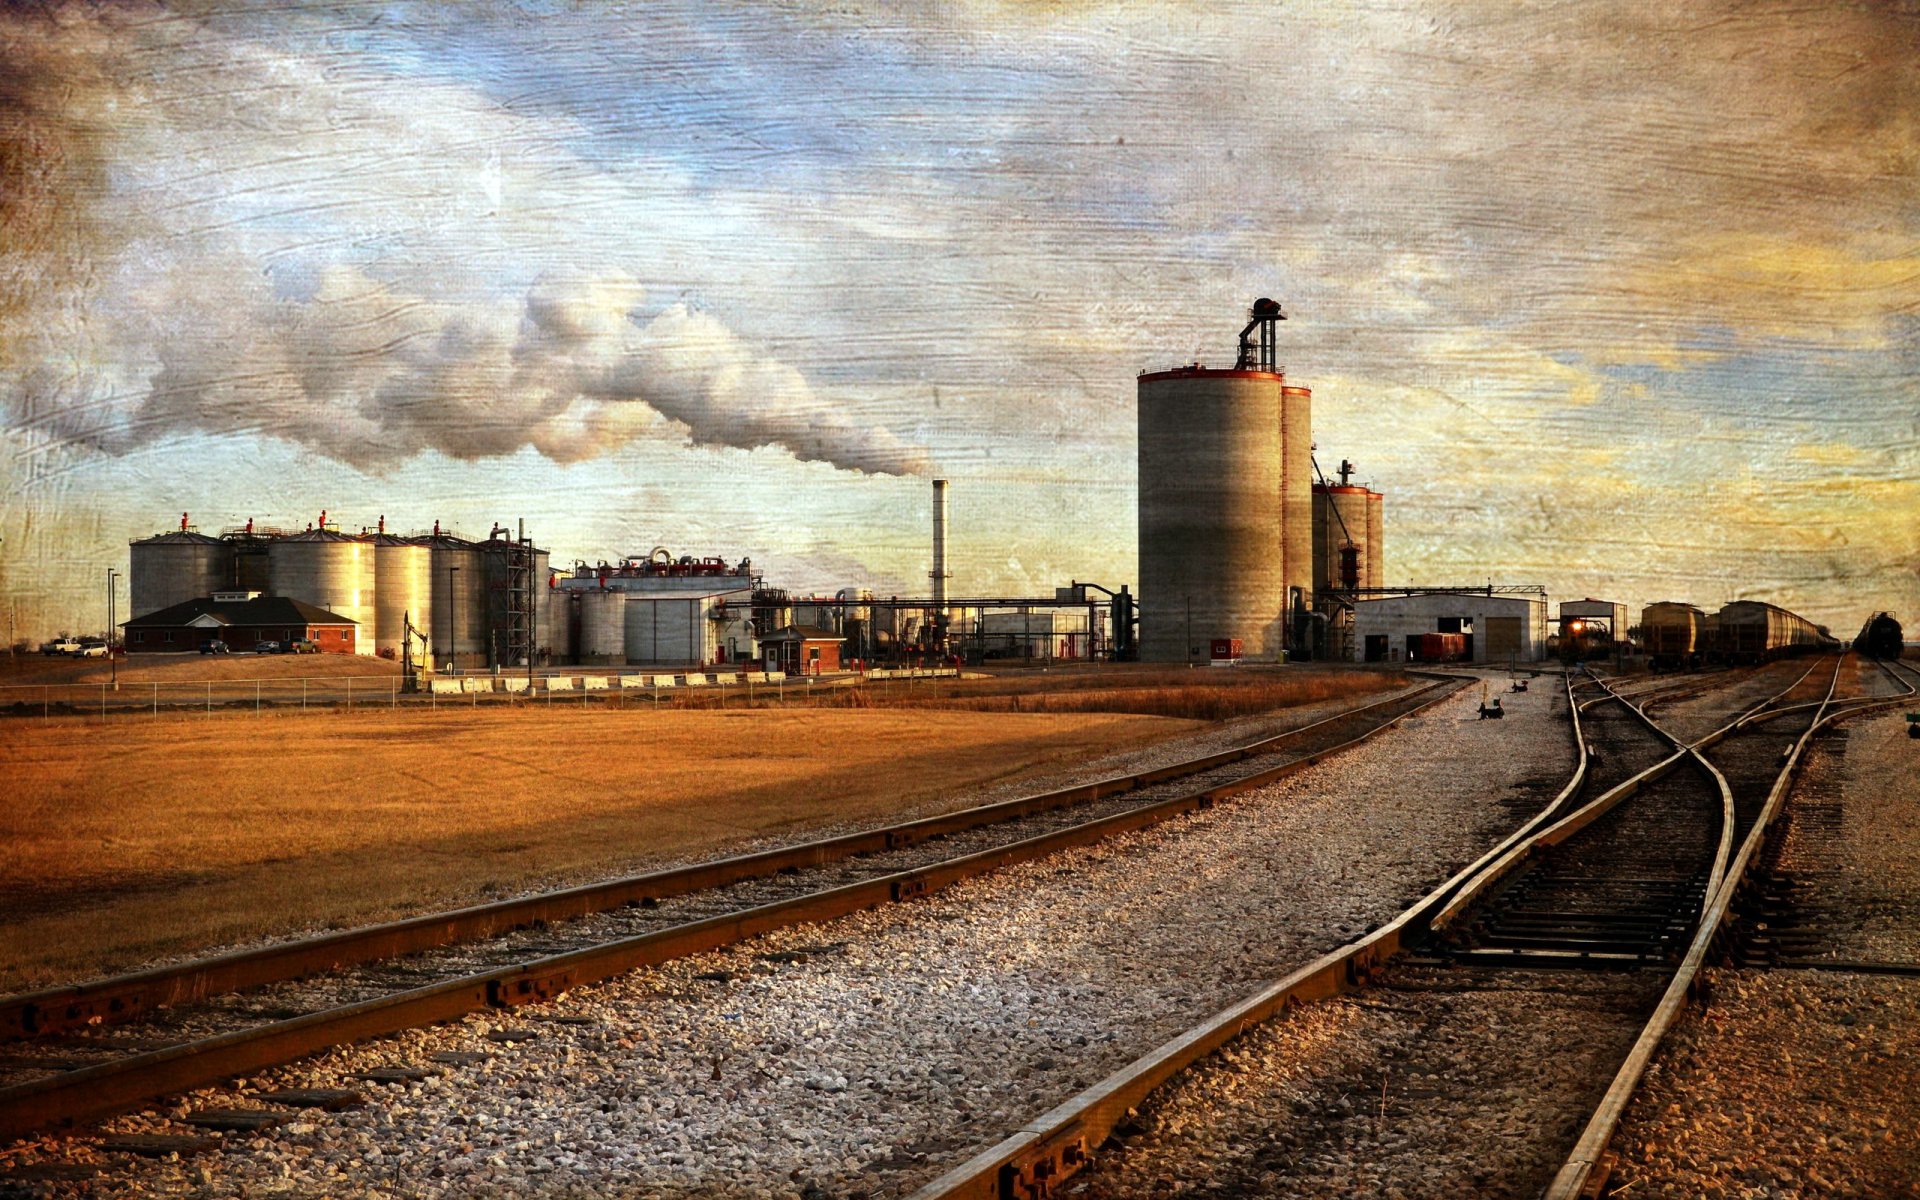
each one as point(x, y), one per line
point(1033, 1161)
point(184, 1039)
point(1787, 918)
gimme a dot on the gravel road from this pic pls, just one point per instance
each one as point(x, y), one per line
point(865, 1055)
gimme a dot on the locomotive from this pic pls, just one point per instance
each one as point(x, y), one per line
point(1880, 637)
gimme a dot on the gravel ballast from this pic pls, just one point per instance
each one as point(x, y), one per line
point(1802, 1082)
point(1412, 1089)
point(868, 1054)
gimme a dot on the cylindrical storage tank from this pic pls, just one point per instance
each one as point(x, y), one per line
point(1376, 539)
point(402, 592)
point(565, 624)
point(1211, 514)
point(1339, 521)
point(174, 568)
point(459, 587)
point(1296, 489)
point(542, 611)
point(327, 570)
point(250, 564)
point(603, 627)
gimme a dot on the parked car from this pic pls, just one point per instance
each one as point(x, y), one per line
point(269, 648)
point(61, 645)
point(93, 649)
point(214, 646)
point(303, 646)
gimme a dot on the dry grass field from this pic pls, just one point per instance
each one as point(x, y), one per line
point(141, 839)
point(35, 669)
point(1203, 694)
point(145, 836)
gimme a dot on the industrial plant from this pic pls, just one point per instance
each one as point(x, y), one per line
point(1248, 553)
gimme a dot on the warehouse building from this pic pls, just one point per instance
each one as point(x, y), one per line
point(1577, 616)
point(656, 610)
point(1496, 628)
point(242, 620)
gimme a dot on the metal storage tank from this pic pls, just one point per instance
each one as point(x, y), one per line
point(1212, 507)
point(603, 627)
point(250, 564)
point(1376, 539)
point(1296, 489)
point(331, 570)
point(459, 625)
point(564, 621)
point(402, 591)
point(542, 611)
point(175, 567)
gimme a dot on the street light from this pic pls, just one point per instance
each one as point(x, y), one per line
point(113, 663)
point(453, 621)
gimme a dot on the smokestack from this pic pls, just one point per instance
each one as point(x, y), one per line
point(940, 548)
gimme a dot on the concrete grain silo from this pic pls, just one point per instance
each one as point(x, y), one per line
point(172, 568)
point(1376, 539)
point(1339, 537)
point(1225, 504)
point(330, 570)
point(1296, 491)
point(1347, 520)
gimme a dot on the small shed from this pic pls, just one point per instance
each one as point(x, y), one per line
point(802, 650)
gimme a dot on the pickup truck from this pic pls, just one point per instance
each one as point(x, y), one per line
point(63, 645)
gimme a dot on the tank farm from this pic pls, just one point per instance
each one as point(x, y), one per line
point(1622, 902)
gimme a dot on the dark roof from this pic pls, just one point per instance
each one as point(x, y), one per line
point(261, 610)
point(806, 633)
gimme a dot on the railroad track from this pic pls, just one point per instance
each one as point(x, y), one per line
point(1690, 821)
point(84, 1052)
point(1804, 910)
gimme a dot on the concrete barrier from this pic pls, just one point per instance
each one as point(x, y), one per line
point(775, 676)
point(696, 680)
point(443, 687)
point(515, 683)
point(663, 681)
point(483, 684)
point(633, 681)
point(726, 680)
point(558, 683)
point(593, 683)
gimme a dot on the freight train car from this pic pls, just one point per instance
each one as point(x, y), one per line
point(1752, 631)
point(1674, 635)
point(1442, 647)
point(1881, 637)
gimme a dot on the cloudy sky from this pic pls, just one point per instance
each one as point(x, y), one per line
point(1618, 298)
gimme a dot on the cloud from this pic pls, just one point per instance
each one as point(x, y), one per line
point(210, 282)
